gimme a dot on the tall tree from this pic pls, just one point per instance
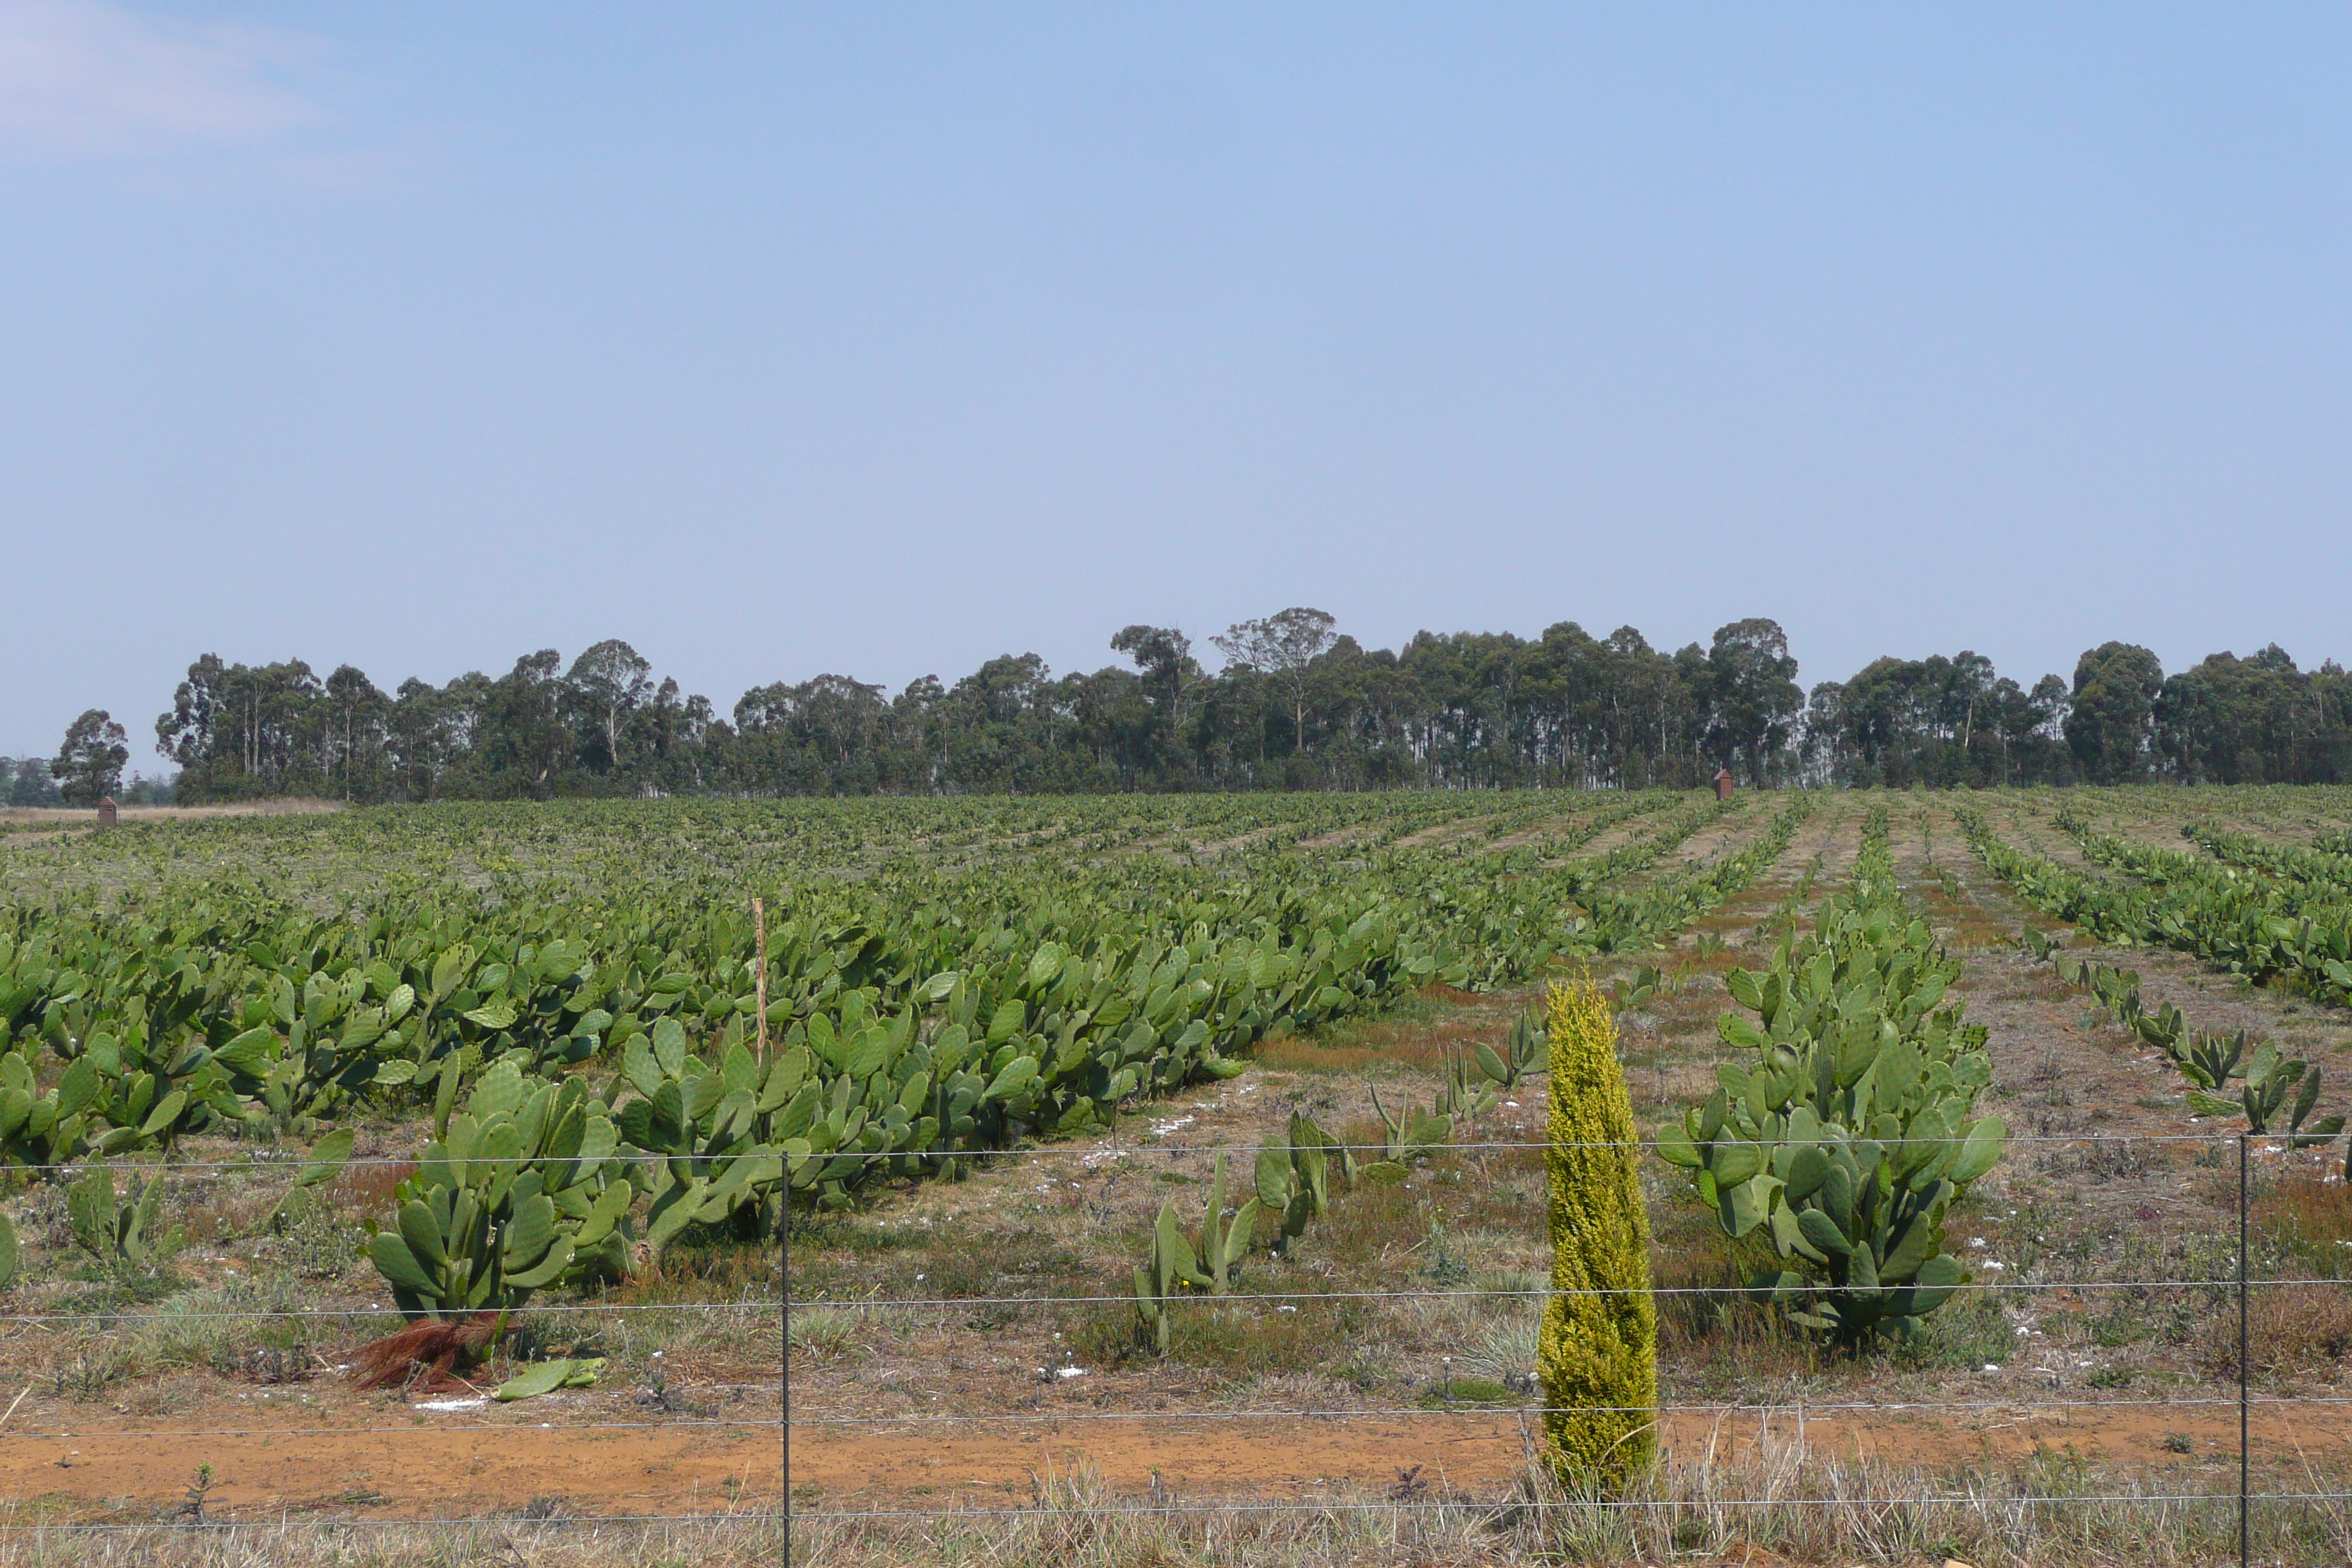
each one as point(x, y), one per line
point(2111, 718)
point(185, 735)
point(1282, 646)
point(1168, 674)
point(1447, 710)
point(29, 782)
point(88, 766)
point(354, 730)
point(613, 680)
point(1753, 682)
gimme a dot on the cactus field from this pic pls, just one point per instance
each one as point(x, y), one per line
point(428, 1163)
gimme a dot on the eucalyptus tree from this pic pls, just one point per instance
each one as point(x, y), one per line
point(2110, 724)
point(354, 731)
point(1284, 648)
point(88, 766)
point(611, 680)
point(1752, 682)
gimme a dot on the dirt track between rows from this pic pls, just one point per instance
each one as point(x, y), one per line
point(464, 1470)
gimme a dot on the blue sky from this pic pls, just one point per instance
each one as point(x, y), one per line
point(885, 340)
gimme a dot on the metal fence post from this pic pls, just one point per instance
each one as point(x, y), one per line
point(784, 1355)
point(2245, 1527)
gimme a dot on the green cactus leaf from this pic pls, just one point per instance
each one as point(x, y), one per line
point(1018, 1074)
point(1980, 1151)
point(1921, 1241)
point(79, 1088)
point(1734, 1162)
point(135, 1226)
point(539, 1378)
point(167, 1114)
point(1743, 1207)
point(1823, 1233)
point(674, 1216)
point(495, 1016)
point(397, 1264)
point(2307, 1097)
point(1275, 1178)
point(89, 1213)
point(547, 1271)
point(1937, 1279)
point(2323, 1131)
point(421, 1231)
point(1788, 1235)
point(1862, 1274)
point(529, 1233)
point(1809, 1169)
point(1241, 1231)
point(1676, 1148)
point(249, 1052)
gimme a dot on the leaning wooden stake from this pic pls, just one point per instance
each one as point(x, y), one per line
point(783, 1253)
point(759, 980)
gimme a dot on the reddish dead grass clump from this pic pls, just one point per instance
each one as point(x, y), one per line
point(424, 1354)
point(1413, 1041)
point(2294, 1329)
point(366, 1187)
point(2290, 1329)
point(2305, 1210)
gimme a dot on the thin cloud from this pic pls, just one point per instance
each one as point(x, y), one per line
point(83, 77)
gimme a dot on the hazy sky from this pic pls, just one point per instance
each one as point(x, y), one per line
point(882, 341)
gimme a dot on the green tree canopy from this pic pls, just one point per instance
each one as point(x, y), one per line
point(88, 766)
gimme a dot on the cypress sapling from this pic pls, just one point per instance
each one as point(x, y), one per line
point(1598, 1350)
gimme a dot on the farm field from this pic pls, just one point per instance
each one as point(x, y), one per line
point(1000, 1037)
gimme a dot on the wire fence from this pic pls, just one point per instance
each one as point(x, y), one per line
point(880, 1498)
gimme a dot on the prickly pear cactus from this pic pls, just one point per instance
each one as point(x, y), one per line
point(1837, 1149)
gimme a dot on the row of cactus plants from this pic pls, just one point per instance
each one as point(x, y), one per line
point(1293, 1182)
point(2274, 1092)
point(883, 1064)
point(1834, 1148)
point(213, 1014)
point(2314, 864)
point(2248, 923)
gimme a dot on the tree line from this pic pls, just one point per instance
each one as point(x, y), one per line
point(1293, 704)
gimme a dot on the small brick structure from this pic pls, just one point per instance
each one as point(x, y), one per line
point(106, 814)
point(1723, 785)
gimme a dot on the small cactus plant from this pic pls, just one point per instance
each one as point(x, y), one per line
point(511, 1201)
point(119, 1233)
point(1411, 1132)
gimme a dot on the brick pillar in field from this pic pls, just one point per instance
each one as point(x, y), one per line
point(1723, 785)
point(106, 811)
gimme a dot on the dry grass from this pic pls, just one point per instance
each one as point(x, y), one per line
point(85, 816)
point(367, 1187)
point(2307, 1211)
point(1775, 1505)
point(1421, 1032)
point(550, 1534)
point(2293, 1331)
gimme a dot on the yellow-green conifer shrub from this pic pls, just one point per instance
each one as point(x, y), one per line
point(1598, 1355)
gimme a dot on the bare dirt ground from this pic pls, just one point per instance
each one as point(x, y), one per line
point(75, 816)
point(419, 1467)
